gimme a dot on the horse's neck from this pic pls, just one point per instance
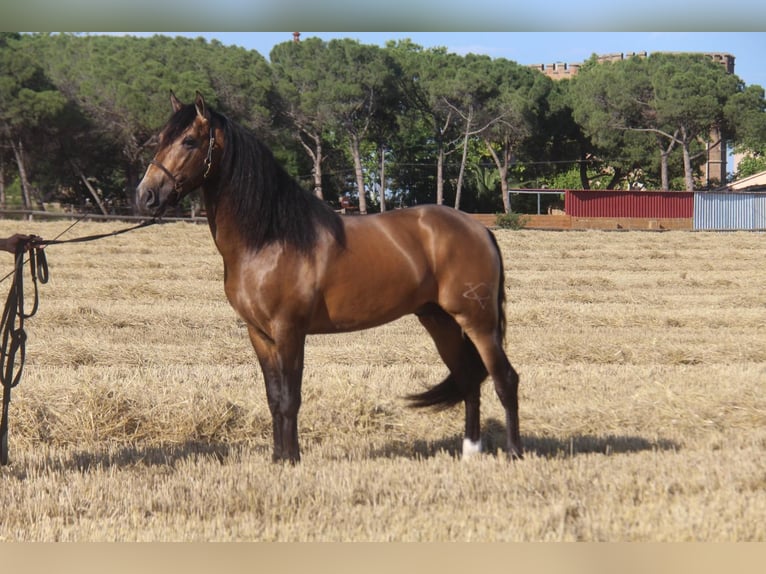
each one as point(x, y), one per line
point(210, 209)
point(222, 227)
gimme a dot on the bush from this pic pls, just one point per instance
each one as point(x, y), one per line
point(511, 220)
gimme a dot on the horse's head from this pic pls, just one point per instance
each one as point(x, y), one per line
point(184, 159)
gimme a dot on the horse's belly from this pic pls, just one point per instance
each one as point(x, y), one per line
point(357, 308)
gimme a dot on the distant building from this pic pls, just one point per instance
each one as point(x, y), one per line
point(755, 182)
point(715, 167)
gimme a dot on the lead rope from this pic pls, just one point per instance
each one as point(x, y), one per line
point(14, 337)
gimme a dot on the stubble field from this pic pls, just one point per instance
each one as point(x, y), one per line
point(142, 414)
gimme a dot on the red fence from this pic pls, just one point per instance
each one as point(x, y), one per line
point(645, 204)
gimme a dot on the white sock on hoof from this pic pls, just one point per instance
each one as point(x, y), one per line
point(470, 448)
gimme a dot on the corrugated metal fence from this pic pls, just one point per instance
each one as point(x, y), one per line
point(704, 210)
point(644, 204)
point(729, 211)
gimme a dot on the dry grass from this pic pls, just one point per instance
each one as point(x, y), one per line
point(142, 416)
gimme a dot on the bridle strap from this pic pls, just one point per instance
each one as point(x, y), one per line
point(205, 166)
point(172, 177)
point(209, 159)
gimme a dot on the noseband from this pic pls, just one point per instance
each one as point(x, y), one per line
point(205, 166)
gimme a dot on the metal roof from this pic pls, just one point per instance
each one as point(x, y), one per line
point(757, 181)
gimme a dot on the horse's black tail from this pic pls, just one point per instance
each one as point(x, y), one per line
point(502, 320)
point(440, 397)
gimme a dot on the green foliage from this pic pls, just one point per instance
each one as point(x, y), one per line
point(753, 162)
point(90, 106)
point(511, 220)
point(13, 195)
point(745, 115)
point(665, 101)
point(605, 99)
point(569, 179)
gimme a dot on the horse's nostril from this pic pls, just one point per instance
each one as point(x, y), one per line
point(152, 198)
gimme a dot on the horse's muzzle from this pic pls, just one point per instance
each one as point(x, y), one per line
point(147, 200)
point(151, 201)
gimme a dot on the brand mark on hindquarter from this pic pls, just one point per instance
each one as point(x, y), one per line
point(478, 292)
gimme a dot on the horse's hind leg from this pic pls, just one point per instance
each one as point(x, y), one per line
point(506, 381)
point(508, 391)
point(466, 373)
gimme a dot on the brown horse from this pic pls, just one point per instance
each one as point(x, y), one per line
point(292, 267)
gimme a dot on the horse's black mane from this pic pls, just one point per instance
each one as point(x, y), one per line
point(268, 205)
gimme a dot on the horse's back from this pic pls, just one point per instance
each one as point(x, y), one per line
point(425, 222)
point(396, 262)
point(431, 235)
point(450, 235)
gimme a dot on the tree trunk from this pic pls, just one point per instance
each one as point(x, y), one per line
point(504, 189)
point(382, 178)
point(502, 170)
point(688, 173)
point(18, 152)
point(440, 159)
point(317, 171)
point(440, 175)
point(89, 187)
point(131, 182)
point(2, 183)
point(664, 177)
point(584, 180)
point(315, 153)
point(664, 155)
point(354, 145)
point(459, 190)
point(464, 157)
point(615, 178)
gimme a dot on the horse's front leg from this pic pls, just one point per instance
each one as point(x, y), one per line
point(281, 361)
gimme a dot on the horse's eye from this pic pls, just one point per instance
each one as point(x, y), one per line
point(189, 142)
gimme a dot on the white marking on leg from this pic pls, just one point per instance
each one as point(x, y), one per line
point(470, 448)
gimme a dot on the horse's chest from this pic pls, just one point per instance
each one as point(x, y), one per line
point(262, 293)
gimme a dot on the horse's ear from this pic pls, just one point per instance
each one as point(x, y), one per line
point(175, 102)
point(199, 103)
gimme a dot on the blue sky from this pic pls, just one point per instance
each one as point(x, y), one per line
point(748, 48)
